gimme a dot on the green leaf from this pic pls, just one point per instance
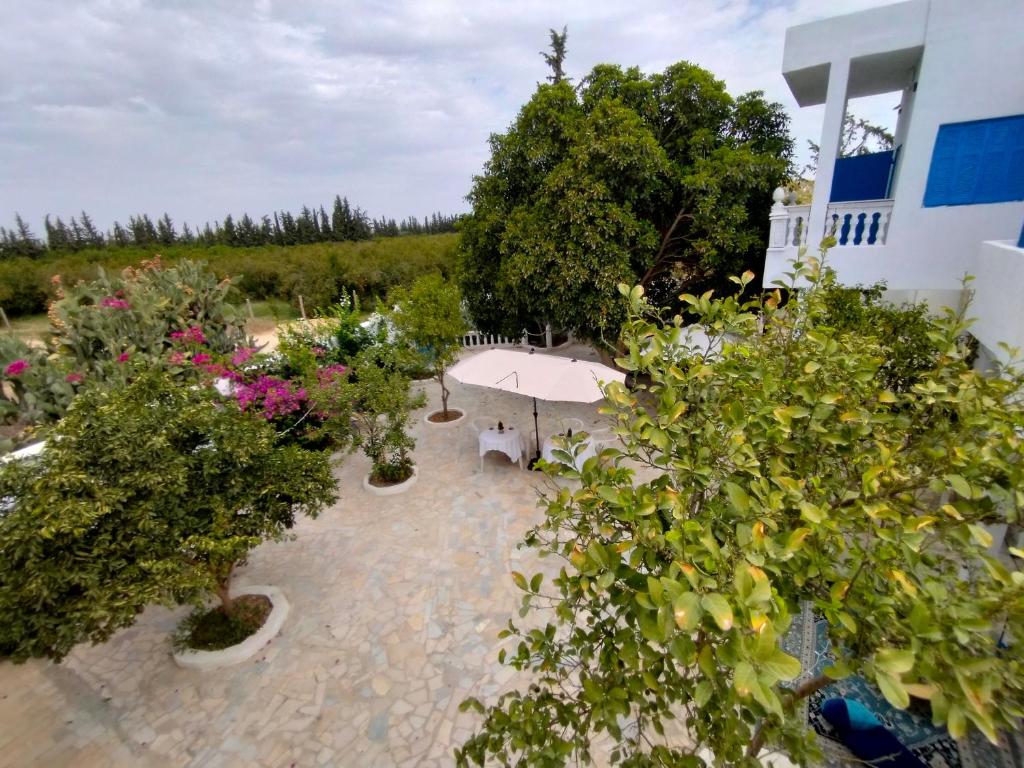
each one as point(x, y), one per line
point(782, 666)
point(687, 611)
point(718, 607)
point(520, 581)
point(745, 679)
point(895, 661)
point(980, 535)
point(738, 498)
point(960, 485)
point(892, 689)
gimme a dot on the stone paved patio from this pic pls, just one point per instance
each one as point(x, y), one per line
point(396, 605)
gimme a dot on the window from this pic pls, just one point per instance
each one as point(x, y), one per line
point(981, 161)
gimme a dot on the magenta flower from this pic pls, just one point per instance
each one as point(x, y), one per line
point(330, 373)
point(271, 396)
point(74, 378)
point(176, 358)
point(242, 355)
point(201, 358)
point(123, 357)
point(113, 303)
point(194, 335)
point(17, 367)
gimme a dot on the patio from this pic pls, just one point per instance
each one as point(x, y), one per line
point(396, 603)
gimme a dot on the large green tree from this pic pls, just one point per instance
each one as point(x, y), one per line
point(663, 180)
point(758, 475)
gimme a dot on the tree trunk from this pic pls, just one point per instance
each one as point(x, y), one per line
point(444, 397)
point(802, 691)
point(223, 590)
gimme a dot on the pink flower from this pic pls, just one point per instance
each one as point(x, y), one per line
point(112, 303)
point(194, 335)
point(242, 355)
point(74, 378)
point(17, 367)
point(176, 358)
point(123, 357)
point(319, 351)
point(201, 358)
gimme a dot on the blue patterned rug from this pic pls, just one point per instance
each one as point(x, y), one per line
point(808, 641)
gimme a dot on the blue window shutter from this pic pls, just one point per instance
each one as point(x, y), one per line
point(981, 161)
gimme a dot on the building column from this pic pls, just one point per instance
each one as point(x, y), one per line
point(831, 136)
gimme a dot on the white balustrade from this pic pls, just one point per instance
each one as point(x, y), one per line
point(474, 339)
point(858, 222)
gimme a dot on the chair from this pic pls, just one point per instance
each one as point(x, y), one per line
point(480, 423)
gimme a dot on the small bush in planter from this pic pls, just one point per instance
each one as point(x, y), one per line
point(383, 403)
point(148, 492)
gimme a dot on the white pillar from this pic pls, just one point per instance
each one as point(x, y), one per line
point(831, 135)
point(778, 234)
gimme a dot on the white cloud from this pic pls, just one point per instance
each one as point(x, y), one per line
point(204, 107)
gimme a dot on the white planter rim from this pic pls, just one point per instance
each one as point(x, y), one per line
point(391, 490)
point(444, 424)
point(236, 654)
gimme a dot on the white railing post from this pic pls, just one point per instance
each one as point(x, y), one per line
point(778, 235)
point(547, 336)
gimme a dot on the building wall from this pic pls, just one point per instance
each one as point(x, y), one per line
point(971, 69)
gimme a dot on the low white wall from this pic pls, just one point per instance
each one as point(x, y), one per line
point(998, 305)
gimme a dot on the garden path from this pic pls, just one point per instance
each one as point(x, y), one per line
point(396, 603)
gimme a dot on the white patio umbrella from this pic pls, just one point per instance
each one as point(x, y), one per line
point(544, 377)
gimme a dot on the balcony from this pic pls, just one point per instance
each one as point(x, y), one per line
point(852, 223)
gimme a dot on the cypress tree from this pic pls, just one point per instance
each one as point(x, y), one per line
point(91, 237)
point(165, 230)
point(228, 233)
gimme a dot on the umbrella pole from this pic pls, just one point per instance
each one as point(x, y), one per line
point(536, 435)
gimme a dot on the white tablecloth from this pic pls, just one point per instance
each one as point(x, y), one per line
point(509, 442)
point(559, 441)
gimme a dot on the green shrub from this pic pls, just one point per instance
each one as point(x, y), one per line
point(383, 404)
point(905, 332)
point(148, 492)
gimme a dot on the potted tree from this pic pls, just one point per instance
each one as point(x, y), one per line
point(382, 404)
point(149, 492)
point(428, 320)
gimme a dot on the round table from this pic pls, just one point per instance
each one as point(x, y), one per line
point(558, 441)
point(509, 442)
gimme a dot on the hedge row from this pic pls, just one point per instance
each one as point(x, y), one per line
point(319, 272)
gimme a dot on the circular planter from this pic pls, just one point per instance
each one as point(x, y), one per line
point(391, 490)
point(444, 424)
point(236, 654)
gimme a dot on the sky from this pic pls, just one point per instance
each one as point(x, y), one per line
point(202, 108)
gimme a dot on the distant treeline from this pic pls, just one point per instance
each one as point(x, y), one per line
point(345, 223)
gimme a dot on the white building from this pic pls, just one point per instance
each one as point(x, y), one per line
point(947, 201)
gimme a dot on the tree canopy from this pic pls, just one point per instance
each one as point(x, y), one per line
point(663, 180)
point(757, 476)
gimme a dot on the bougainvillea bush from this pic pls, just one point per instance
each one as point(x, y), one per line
point(148, 492)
